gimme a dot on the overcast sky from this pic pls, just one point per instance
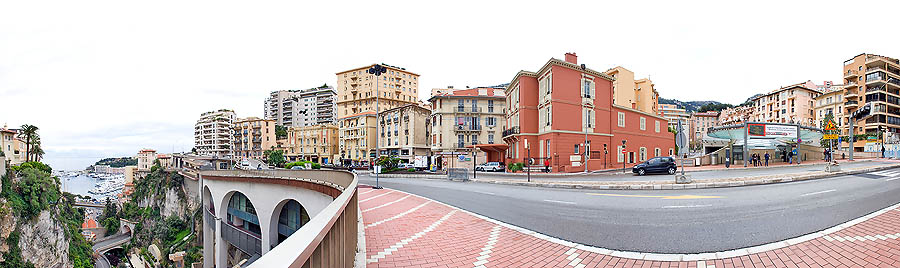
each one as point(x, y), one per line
point(105, 79)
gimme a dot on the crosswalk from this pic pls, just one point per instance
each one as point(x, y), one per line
point(887, 173)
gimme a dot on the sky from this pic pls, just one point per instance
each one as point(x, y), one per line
point(107, 78)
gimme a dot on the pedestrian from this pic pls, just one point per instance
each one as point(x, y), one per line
point(767, 159)
point(547, 165)
point(790, 156)
point(843, 156)
point(756, 159)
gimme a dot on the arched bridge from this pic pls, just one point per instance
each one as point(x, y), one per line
point(115, 240)
point(279, 218)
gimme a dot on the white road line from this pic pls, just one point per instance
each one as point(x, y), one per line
point(398, 215)
point(688, 206)
point(819, 192)
point(386, 204)
point(557, 201)
point(377, 196)
point(405, 241)
point(894, 178)
point(487, 249)
point(366, 192)
point(488, 193)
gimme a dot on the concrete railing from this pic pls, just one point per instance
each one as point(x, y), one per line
point(330, 238)
point(339, 180)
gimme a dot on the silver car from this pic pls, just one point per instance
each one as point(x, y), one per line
point(490, 166)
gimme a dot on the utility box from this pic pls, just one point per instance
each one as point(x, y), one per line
point(832, 167)
point(460, 174)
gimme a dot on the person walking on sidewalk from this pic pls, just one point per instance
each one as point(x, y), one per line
point(767, 159)
point(547, 165)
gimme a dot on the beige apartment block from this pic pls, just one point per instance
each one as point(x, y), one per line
point(298, 108)
point(145, 158)
point(404, 132)
point(734, 115)
point(832, 102)
point(464, 118)
point(701, 122)
point(792, 104)
point(672, 113)
point(12, 146)
point(870, 78)
point(357, 96)
point(638, 94)
point(317, 143)
point(253, 136)
point(357, 139)
point(213, 133)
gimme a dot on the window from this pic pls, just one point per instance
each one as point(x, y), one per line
point(576, 148)
point(656, 152)
point(643, 154)
point(621, 119)
point(643, 124)
point(620, 156)
point(671, 151)
point(474, 139)
point(491, 138)
point(657, 127)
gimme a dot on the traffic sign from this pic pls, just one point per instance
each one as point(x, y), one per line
point(830, 136)
point(830, 126)
point(623, 150)
point(680, 137)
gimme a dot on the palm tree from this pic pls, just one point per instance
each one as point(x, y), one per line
point(36, 152)
point(28, 132)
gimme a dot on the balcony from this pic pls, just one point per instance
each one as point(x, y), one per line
point(851, 95)
point(510, 131)
point(468, 127)
point(851, 84)
point(852, 103)
point(851, 74)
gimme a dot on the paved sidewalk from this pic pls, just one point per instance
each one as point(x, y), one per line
point(403, 230)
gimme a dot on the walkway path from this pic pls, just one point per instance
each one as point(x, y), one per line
point(418, 232)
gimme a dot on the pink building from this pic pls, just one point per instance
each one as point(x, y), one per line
point(565, 109)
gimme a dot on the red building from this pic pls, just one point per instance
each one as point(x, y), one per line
point(565, 109)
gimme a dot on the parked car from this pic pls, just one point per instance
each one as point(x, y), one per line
point(490, 166)
point(298, 167)
point(662, 164)
point(406, 166)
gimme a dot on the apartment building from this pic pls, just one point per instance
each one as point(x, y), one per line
point(832, 102)
point(792, 104)
point(464, 119)
point(701, 122)
point(298, 108)
point(145, 158)
point(253, 136)
point(13, 147)
point(638, 94)
point(356, 101)
point(213, 133)
point(541, 124)
point(870, 78)
point(357, 139)
point(734, 115)
point(316, 143)
point(672, 113)
point(404, 132)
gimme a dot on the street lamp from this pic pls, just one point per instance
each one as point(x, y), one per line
point(624, 157)
point(376, 70)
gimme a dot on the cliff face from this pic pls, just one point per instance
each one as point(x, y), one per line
point(44, 242)
point(8, 222)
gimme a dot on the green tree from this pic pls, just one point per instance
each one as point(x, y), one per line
point(714, 107)
point(36, 152)
point(29, 133)
point(674, 137)
point(274, 157)
point(280, 132)
point(828, 118)
point(110, 219)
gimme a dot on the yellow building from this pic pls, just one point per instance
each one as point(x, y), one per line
point(145, 158)
point(464, 118)
point(316, 143)
point(404, 132)
point(792, 104)
point(832, 102)
point(638, 94)
point(12, 147)
point(356, 99)
point(252, 136)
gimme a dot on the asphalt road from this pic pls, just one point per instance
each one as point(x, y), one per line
point(668, 221)
point(705, 174)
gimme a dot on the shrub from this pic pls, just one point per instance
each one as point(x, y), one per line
point(316, 166)
point(514, 167)
point(411, 169)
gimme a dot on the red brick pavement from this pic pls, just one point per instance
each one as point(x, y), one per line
point(437, 235)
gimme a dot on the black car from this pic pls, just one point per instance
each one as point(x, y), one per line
point(656, 165)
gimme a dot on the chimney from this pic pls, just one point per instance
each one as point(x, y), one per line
point(571, 58)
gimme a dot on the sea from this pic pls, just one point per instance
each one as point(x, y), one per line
point(80, 185)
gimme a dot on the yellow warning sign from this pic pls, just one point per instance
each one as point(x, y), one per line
point(830, 136)
point(830, 126)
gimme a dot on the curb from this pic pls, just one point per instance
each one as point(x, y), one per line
point(699, 185)
point(705, 256)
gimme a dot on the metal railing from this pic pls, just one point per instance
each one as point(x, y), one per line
point(511, 131)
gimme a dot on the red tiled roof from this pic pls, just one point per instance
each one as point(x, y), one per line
point(90, 223)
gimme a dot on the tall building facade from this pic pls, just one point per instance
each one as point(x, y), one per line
point(317, 143)
point(213, 133)
point(12, 146)
point(734, 115)
point(870, 78)
point(701, 122)
point(298, 108)
point(793, 104)
point(145, 158)
point(252, 136)
point(638, 94)
point(541, 122)
point(404, 132)
point(356, 100)
point(832, 102)
point(672, 113)
point(465, 118)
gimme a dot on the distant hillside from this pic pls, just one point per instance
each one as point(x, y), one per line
point(689, 106)
point(118, 162)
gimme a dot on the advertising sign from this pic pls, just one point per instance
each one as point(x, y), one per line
point(772, 131)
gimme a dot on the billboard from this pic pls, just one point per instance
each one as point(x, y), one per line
point(772, 131)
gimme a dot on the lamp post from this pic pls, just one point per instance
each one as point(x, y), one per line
point(528, 161)
point(605, 156)
point(624, 157)
point(376, 70)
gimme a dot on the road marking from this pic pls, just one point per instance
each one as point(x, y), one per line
point(377, 196)
point(488, 193)
point(366, 192)
point(487, 249)
point(398, 215)
point(405, 241)
point(557, 201)
point(386, 204)
point(894, 178)
point(688, 206)
point(886, 173)
point(661, 196)
point(819, 192)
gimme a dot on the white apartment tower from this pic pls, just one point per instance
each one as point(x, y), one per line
point(213, 133)
point(300, 108)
